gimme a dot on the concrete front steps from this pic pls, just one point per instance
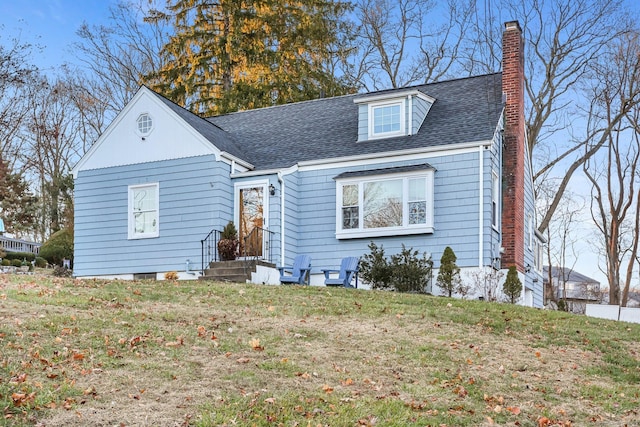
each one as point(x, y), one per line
point(233, 271)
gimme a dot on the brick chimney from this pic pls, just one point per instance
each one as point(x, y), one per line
point(513, 219)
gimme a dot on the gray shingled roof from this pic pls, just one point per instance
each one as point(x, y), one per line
point(466, 110)
point(568, 274)
point(218, 137)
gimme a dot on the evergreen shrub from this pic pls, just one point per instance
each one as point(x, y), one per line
point(58, 247)
point(512, 287)
point(404, 272)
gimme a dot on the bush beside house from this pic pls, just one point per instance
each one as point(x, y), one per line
point(404, 272)
point(512, 287)
point(449, 273)
point(228, 243)
point(58, 247)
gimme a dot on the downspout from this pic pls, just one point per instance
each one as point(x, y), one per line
point(282, 222)
point(410, 132)
point(480, 207)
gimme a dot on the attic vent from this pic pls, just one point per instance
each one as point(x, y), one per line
point(145, 124)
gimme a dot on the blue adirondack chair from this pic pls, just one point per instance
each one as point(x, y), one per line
point(299, 273)
point(348, 270)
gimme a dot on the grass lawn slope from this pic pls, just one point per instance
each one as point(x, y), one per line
point(144, 353)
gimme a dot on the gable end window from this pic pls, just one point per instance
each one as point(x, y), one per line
point(386, 119)
point(384, 205)
point(144, 211)
point(144, 124)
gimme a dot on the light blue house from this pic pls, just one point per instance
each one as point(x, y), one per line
point(427, 166)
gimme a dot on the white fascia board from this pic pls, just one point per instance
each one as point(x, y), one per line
point(265, 172)
point(231, 158)
point(394, 95)
point(413, 154)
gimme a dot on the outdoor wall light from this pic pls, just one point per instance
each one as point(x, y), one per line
point(272, 190)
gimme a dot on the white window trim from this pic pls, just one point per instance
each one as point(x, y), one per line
point(530, 231)
point(144, 113)
point(132, 235)
point(405, 229)
point(387, 103)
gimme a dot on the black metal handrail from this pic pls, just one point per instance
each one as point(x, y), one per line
point(258, 235)
point(209, 248)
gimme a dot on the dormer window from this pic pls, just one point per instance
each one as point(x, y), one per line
point(391, 114)
point(387, 119)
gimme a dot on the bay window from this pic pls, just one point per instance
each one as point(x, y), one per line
point(384, 205)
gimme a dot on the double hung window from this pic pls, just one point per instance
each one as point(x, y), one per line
point(143, 211)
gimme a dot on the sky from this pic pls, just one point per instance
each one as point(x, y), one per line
point(52, 25)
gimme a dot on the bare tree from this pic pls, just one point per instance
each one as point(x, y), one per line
point(16, 74)
point(401, 44)
point(562, 40)
point(614, 174)
point(52, 146)
point(119, 55)
point(561, 239)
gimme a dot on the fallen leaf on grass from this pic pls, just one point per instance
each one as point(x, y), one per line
point(327, 389)
point(177, 343)
point(20, 399)
point(460, 391)
point(255, 344)
point(543, 422)
point(515, 410)
point(133, 341)
point(68, 403)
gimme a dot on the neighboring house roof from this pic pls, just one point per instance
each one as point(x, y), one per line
point(466, 110)
point(567, 274)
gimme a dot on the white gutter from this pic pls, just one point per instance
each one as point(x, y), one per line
point(282, 222)
point(481, 206)
point(392, 155)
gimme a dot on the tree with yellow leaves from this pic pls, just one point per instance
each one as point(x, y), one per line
point(230, 55)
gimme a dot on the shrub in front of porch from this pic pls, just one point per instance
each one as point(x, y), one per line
point(228, 243)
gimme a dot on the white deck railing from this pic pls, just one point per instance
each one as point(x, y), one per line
point(17, 245)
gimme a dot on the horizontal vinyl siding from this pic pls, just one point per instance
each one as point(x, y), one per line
point(420, 109)
point(187, 189)
point(363, 122)
point(529, 208)
point(291, 217)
